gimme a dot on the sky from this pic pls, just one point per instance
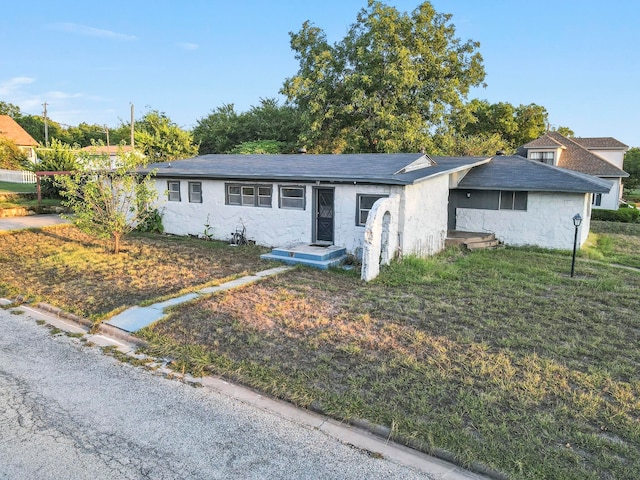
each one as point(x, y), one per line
point(90, 61)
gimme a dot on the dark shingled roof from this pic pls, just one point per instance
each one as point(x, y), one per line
point(520, 174)
point(393, 169)
point(575, 156)
point(603, 143)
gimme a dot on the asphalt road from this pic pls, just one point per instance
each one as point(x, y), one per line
point(70, 411)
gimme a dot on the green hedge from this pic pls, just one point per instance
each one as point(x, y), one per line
point(623, 214)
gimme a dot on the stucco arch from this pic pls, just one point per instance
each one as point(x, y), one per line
point(380, 236)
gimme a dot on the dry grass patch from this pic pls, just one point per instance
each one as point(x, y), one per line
point(68, 269)
point(496, 356)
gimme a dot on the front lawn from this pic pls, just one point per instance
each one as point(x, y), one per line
point(11, 187)
point(498, 357)
point(66, 268)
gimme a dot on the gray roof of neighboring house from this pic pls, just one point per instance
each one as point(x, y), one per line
point(576, 156)
point(393, 169)
point(519, 174)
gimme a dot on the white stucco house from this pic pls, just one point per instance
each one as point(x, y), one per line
point(375, 206)
point(602, 157)
point(10, 129)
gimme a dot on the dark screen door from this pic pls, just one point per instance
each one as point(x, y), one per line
point(324, 214)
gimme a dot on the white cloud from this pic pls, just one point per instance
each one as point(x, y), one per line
point(188, 46)
point(91, 31)
point(10, 86)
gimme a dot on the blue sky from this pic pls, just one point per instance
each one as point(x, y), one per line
point(90, 60)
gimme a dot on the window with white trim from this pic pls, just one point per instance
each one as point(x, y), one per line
point(364, 206)
point(248, 195)
point(510, 200)
point(173, 191)
point(195, 192)
point(544, 157)
point(292, 197)
point(596, 199)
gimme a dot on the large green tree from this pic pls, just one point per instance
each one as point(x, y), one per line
point(515, 125)
point(10, 109)
point(632, 167)
point(385, 87)
point(160, 139)
point(224, 129)
point(109, 203)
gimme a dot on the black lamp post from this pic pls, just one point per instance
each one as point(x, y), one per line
point(577, 220)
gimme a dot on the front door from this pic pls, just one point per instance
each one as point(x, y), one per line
point(324, 215)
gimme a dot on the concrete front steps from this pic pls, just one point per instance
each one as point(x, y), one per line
point(317, 256)
point(472, 240)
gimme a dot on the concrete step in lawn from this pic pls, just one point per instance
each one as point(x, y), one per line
point(472, 240)
point(317, 256)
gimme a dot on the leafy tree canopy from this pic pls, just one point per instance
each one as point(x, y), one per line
point(10, 109)
point(259, 147)
point(11, 157)
point(516, 125)
point(391, 81)
point(564, 131)
point(224, 129)
point(109, 203)
point(632, 167)
point(160, 139)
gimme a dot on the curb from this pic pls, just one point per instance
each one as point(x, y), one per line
point(380, 431)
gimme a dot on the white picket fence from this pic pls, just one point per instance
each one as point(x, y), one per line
point(17, 176)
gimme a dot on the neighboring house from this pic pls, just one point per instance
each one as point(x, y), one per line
point(10, 129)
point(374, 205)
point(601, 157)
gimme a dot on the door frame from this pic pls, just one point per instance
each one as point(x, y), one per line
point(314, 213)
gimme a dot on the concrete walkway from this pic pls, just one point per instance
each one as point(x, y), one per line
point(135, 318)
point(30, 221)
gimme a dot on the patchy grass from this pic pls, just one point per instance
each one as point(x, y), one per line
point(496, 356)
point(17, 187)
point(68, 269)
point(614, 242)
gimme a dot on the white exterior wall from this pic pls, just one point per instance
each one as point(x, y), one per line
point(616, 157)
point(346, 232)
point(611, 200)
point(266, 226)
point(547, 222)
point(424, 216)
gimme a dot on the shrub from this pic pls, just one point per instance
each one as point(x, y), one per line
point(623, 214)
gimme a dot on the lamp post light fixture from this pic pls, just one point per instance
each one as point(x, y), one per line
point(577, 220)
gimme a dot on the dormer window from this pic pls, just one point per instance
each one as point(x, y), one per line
point(544, 157)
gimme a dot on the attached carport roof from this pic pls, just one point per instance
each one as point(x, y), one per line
point(519, 174)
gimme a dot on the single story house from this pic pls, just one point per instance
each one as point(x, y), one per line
point(602, 157)
point(375, 206)
point(10, 129)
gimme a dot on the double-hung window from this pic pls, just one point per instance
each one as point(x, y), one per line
point(173, 189)
point(195, 192)
point(364, 206)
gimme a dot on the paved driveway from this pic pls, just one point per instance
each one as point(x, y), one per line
point(69, 411)
point(30, 221)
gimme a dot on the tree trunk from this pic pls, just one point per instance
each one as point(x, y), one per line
point(116, 243)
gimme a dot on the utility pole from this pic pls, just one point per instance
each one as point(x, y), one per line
point(106, 129)
point(132, 126)
point(46, 126)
